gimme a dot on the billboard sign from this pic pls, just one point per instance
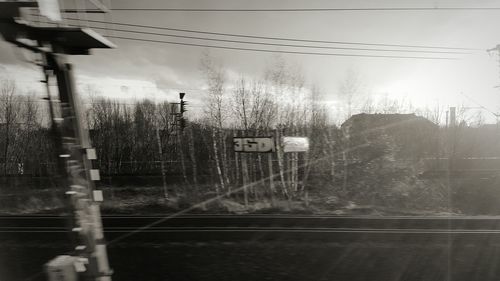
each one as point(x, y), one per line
point(253, 144)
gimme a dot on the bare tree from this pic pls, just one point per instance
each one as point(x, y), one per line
point(30, 119)
point(286, 86)
point(349, 90)
point(217, 113)
point(9, 116)
point(254, 112)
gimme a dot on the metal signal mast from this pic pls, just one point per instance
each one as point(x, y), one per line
point(88, 260)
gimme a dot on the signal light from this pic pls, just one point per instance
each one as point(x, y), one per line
point(181, 122)
point(183, 106)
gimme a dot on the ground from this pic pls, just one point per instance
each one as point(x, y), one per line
point(257, 260)
point(150, 200)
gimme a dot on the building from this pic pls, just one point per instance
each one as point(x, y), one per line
point(405, 136)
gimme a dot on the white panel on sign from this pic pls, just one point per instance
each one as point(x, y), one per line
point(295, 144)
point(257, 144)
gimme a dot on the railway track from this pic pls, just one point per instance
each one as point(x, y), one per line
point(267, 227)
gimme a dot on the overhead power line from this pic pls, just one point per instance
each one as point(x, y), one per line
point(374, 9)
point(272, 44)
point(280, 51)
point(496, 114)
point(279, 38)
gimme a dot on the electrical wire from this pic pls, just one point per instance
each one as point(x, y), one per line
point(279, 38)
point(375, 9)
point(281, 51)
point(269, 44)
point(496, 114)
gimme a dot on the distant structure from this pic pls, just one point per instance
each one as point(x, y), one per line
point(383, 121)
point(467, 151)
point(404, 135)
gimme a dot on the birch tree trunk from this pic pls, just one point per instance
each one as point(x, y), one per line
point(244, 171)
point(272, 189)
point(346, 171)
point(193, 155)
point(332, 155)
point(216, 158)
point(236, 163)
point(181, 156)
point(162, 164)
point(279, 154)
point(295, 168)
point(224, 156)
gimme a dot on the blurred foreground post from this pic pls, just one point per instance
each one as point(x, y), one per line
point(88, 260)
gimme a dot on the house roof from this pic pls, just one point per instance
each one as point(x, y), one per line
point(385, 119)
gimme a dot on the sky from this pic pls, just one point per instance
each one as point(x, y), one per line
point(140, 69)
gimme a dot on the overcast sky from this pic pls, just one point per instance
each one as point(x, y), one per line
point(144, 69)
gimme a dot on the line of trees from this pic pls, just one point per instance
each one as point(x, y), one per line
point(23, 134)
point(142, 139)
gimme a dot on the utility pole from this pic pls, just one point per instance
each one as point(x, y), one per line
point(453, 117)
point(496, 50)
point(88, 259)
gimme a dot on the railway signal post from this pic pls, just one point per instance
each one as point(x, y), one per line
point(88, 260)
